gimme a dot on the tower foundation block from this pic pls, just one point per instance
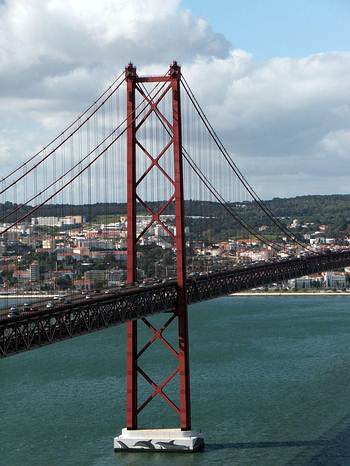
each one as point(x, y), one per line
point(159, 440)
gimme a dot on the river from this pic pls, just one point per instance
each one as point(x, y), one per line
point(270, 387)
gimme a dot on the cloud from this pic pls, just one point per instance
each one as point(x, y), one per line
point(286, 121)
point(281, 118)
point(336, 143)
point(43, 39)
point(292, 98)
point(57, 56)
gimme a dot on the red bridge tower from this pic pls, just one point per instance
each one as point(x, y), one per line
point(132, 437)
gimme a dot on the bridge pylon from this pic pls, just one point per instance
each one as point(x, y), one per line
point(168, 95)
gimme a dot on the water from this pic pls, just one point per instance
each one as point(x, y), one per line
point(270, 387)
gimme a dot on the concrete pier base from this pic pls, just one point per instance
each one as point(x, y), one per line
point(159, 440)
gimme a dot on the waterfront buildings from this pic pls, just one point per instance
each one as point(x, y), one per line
point(53, 253)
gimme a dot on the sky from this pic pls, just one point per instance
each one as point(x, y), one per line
point(273, 76)
point(279, 28)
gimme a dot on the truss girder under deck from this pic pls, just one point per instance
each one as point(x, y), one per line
point(41, 328)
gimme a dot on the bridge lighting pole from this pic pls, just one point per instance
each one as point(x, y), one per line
point(132, 437)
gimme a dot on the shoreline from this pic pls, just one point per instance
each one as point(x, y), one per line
point(291, 293)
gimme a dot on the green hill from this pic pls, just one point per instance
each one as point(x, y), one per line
point(212, 220)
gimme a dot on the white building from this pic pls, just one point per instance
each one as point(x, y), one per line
point(335, 280)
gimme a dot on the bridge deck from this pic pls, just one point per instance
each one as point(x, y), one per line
point(47, 326)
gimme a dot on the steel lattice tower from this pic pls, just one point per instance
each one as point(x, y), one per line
point(179, 315)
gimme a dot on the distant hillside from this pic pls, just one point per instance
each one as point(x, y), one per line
point(317, 206)
point(331, 210)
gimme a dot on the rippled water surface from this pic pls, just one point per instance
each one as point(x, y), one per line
point(270, 387)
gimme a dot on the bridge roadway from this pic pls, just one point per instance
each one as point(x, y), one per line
point(46, 326)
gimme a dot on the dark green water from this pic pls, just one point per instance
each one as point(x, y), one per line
point(270, 387)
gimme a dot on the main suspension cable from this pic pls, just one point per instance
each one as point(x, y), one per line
point(19, 207)
point(89, 164)
point(64, 131)
point(234, 167)
point(213, 190)
point(222, 201)
point(19, 178)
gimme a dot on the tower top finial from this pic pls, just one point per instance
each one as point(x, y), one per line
point(130, 70)
point(175, 69)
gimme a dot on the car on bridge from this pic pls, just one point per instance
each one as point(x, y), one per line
point(13, 312)
point(27, 307)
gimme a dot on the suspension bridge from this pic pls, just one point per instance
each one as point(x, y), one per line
point(144, 149)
